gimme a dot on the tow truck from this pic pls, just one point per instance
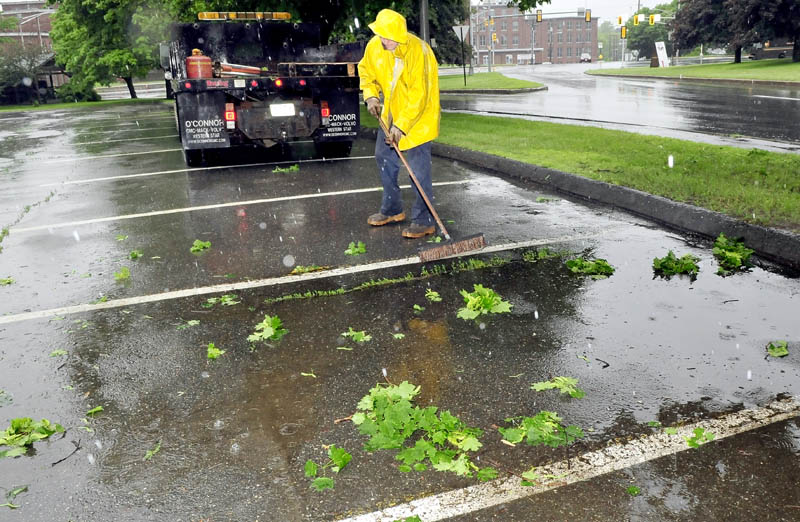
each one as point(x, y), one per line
point(256, 79)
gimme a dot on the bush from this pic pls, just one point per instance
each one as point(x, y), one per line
point(71, 92)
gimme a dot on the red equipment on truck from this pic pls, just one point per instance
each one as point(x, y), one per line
point(255, 79)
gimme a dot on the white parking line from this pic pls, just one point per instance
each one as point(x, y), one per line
point(615, 457)
point(126, 139)
point(145, 174)
point(775, 97)
point(82, 158)
point(272, 281)
point(217, 205)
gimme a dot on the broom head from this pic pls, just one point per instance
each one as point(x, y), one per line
point(452, 248)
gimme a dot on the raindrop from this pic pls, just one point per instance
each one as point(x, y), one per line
point(280, 238)
point(235, 448)
point(749, 375)
point(482, 326)
point(590, 345)
point(288, 260)
point(737, 346)
point(27, 82)
point(75, 235)
point(98, 444)
point(357, 23)
point(90, 458)
point(536, 314)
point(205, 375)
point(670, 161)
point(218, 424)
point(262, 226)
point(383, 371)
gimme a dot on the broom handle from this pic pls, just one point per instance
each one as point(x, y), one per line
point(416, 183)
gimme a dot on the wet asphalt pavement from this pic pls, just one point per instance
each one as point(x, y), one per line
point(83, 189)
point(728, 113)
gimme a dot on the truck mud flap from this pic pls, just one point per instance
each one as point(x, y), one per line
point(200, 120)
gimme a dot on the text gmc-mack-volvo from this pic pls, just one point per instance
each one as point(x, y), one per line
point(256, 79)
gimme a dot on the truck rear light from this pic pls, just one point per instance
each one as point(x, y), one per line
point(188, 85)
point(253, 83)
point(302, 83)
point(230, 116)
point(278, 83)
point(326, 112)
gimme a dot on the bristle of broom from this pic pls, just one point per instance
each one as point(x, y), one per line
point(452, 248)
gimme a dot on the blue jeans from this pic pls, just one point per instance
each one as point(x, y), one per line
point(389, 164)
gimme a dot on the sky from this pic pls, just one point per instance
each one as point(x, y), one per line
point(604, 9)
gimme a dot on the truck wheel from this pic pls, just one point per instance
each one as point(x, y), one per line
point(333, 149)
point(194, 157)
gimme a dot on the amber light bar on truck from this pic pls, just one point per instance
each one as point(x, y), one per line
point(243, 15)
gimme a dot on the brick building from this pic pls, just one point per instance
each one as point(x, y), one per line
point(559, 38)
point(35, 18)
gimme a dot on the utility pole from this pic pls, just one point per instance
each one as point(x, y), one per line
point(423, 21)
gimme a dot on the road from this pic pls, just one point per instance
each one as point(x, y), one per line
point(731, 114)
point(83, 189)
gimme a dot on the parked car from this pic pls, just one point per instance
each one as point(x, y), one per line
point(586, 57)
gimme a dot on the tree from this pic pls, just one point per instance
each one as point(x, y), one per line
point(98, 42)
point(643, 37)
point(20, 65)
point(762, 20)
point(524, 5)
point(708, 22)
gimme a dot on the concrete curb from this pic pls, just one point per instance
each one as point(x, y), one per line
point(493, 91)
point(779, 246)
point(767, 83)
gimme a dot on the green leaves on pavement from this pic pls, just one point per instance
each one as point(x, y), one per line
point(12, 494)
point(187, 324)
point(482, 301)
point(566, 385)
point(699, 438)
point(357, 336)
point(23, 432)
point(135, 254)
point(123, 275)
point(355, 249)
point(270, 329)
point(731, 255)
point(225, 300)
point(212, 352)
point(149, 453)
point(5, 281)
point(199, 246)
point(671, 265)
point(390, 420)
point(778, 349)
point(544, 428)
point(432, 296)
point(634, 491)
point(597, 268)
point(93, 411)
point(339, 458)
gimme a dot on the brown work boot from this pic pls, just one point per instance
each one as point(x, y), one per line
point(377, 220)
point(416, 231)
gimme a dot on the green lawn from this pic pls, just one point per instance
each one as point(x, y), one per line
point(78, 105)
point(775, 70)
point(752, 185)
point(490, 80)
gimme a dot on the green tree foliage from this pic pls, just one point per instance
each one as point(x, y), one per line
point(643, 37)
point(524, 5)
point(19, 67)
point(708, 22)
point(763, 20)
point(98, 42)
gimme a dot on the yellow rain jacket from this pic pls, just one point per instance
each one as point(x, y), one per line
point(412, 105)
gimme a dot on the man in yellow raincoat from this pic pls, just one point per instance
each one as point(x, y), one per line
point(402, 68)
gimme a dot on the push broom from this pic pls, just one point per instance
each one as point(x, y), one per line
point(449, 247)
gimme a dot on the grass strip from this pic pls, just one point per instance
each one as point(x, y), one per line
point(782, 70)
point(492, 80)
point(752, 185)
point(80, 105)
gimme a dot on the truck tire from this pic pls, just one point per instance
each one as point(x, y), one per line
point(333, 149)
point(194, 157)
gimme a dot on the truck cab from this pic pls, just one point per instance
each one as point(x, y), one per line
point(256, 79)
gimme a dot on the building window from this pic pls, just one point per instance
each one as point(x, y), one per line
point(515, 25)
point(569, 51)
point(483, 40)
point(560, 37)
point(503, 40)
point(509, 58)
point(503, 25)
point(485, 59)
point(569, 24)
point(560, 52)
point(577, 37)
point(569, 37)
point(515, 40)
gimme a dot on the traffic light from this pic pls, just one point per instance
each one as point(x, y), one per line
point(538, 15)
point(588, 15)
point(619, 20)
point(652, 19)
point(494, 37)
point(623, 32)
point(636, 19)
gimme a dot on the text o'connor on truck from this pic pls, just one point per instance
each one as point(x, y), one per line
point(254, 79)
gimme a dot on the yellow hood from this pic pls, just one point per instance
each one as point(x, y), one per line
point(390, 25)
